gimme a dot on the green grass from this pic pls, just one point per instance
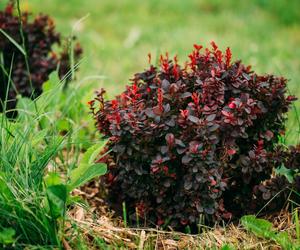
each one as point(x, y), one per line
point(117, 35)
point(41, 162)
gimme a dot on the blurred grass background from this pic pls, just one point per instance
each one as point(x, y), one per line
point(118, 34)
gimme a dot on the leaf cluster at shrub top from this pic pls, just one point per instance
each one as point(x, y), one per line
point(39, 38)
point(192, 141)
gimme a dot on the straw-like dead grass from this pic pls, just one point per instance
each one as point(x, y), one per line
point(99, 222)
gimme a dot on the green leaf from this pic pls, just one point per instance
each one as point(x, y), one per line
point(53, 179)
point(85, 173)
point(288, 173)
point(52, 83)
point(91, 154)
point(76, 200)
point(18, 46)
point(284, 240)
point(260, 227)
point(87, 168)
point(7, 236)
point(57, 197)
point(63, 125)
point(263, 228)
point(227, 247)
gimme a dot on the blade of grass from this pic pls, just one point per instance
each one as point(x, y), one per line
point(124, 214)
point(18, 46)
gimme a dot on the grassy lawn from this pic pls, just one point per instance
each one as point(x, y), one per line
point(117, 35)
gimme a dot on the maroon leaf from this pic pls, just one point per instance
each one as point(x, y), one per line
point(193, 119)
point(211, 117)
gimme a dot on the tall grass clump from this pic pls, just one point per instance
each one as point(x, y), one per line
point(24, 159)
point(39, 150)
point(39, 167)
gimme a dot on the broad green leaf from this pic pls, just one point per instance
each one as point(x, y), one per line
point(57, 197)
point(18, 46)
point(91, 154)
point(7, 236)
point(63, 125)
point(52, 83)
point(51, 96)
point(75, 199)
point(85, 173)
point(260, 227)
point(284, 240)
point(53, 179)
point(288, 173)
point(87, 168)
point(263, 228)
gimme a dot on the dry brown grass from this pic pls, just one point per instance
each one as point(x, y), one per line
point(120, 237)
point(99, 222)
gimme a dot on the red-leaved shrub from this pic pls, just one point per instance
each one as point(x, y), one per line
point(192, 142)
point(39, 38)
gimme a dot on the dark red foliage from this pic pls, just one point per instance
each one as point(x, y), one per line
point(192, 141)
point(39, 36)
point(276, 190)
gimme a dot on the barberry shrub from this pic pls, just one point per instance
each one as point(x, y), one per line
point(191, 142)
point(24, 72)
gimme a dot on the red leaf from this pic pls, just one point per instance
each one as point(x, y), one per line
point(198, 47)
point(231, 151)
point(232, 105)
point(226, 113)
point(211, 117)
point(213, 182)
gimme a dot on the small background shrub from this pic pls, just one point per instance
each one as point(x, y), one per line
point(27, 55)
point(192, 142)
